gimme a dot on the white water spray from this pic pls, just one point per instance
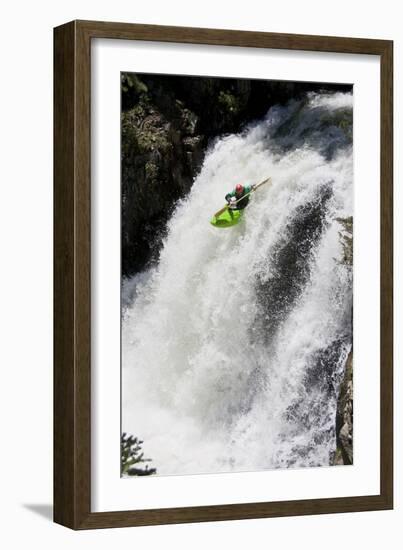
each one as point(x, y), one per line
point(232, 347)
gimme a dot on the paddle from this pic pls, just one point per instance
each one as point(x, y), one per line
point(235, 202)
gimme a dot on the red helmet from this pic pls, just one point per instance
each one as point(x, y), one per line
point(239, 189)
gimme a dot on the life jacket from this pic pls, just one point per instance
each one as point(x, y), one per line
point(242, 202)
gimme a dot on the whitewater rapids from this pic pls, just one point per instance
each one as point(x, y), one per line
point(234, 343)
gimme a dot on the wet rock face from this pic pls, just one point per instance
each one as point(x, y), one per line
point(314, 127)
point(167, 123)
point(291, 262)
point(344, 417)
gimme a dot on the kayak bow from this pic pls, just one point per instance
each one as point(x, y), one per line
point(227, 218)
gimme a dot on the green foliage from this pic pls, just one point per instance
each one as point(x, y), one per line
point(228, 102)
point(131, 81)
point(346, 238)
point(151, 171)
point(132, 455)
point(143, 131)
point(151, 139)
point(132, 90)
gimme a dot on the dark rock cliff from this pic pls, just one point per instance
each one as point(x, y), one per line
point(344, 417)
point(160, 157)
point(344, 412)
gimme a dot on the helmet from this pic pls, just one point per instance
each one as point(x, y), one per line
point(239, 189)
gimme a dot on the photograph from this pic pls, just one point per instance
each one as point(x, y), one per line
point(237, 274)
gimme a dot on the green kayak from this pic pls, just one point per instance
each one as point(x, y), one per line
point(228, 218)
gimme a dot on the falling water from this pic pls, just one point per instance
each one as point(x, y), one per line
point(234, 344)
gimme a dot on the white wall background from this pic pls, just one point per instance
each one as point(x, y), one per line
point(26, 271)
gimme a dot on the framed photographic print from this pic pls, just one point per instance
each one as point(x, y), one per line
point(223, 275)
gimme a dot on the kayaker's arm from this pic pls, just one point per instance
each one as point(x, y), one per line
point(229, 196)
point(248, 189)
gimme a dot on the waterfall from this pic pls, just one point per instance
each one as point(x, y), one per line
point(234, 343)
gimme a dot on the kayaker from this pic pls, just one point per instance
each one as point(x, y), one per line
point(236, 194)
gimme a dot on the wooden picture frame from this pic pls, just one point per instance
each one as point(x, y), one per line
point(72, 270)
